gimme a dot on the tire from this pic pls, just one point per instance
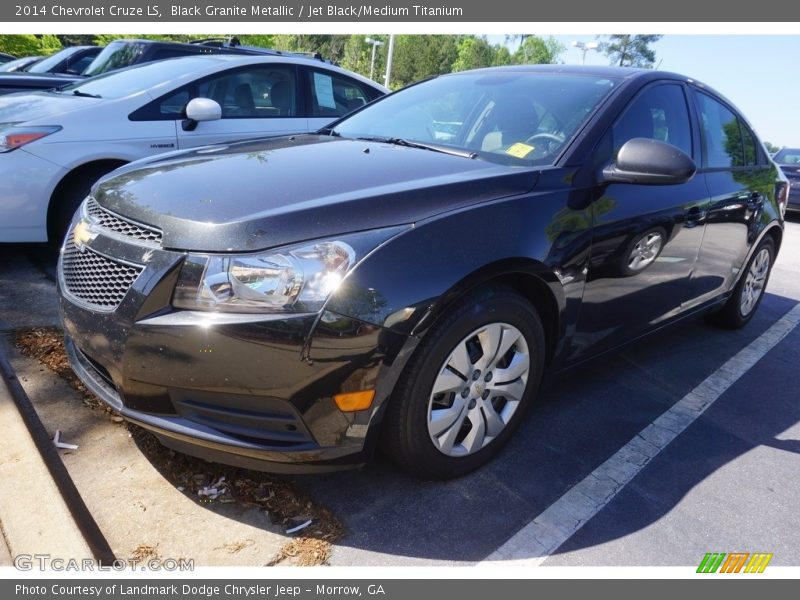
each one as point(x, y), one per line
point(68, 198)
point(466, 422)
point(747, 295)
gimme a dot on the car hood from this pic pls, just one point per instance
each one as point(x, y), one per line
point(32, 106)
point(266, 193)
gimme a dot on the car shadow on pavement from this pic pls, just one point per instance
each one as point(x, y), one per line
point(582, 418)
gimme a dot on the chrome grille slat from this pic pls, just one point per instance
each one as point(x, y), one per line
point(112, 222)
point(96, 279)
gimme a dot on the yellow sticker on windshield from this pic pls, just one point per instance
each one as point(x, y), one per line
point(520, 150)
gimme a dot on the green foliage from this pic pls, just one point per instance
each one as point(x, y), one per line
point(537, 51)
point(420, 56)
point(416, 57)
point(771, 148)
point(29, 45)
point(473, 53)
point(630, 50)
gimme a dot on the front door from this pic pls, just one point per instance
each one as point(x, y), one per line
point(646, 238)
point(257, 101)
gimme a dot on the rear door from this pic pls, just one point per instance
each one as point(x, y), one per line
point(646, 238)
point(332, 95)
point(739, 179)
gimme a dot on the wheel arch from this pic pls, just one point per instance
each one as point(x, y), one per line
point(73, 177)
point(529, 278)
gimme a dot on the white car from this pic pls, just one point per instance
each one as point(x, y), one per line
point(55, 144)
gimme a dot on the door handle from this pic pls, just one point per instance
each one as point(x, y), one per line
point(694, 216)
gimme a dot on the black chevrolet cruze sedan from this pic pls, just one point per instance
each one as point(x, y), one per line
point(405, 277)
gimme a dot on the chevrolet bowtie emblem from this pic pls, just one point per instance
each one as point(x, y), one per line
point(83, 234)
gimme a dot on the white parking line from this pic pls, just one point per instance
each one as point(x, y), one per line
point(532, 544)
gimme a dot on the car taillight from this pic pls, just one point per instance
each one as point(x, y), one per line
point(782, 195)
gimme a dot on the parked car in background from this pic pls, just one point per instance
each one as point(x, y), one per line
point(4, 58)
point(59, 69)
point(19, 64)
point(73, 60)
point(55, 144)
point(121, 54)
point(788, 159)
point(405, 276)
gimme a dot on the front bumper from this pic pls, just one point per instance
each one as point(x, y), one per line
point(26, 184)
point(255, 391)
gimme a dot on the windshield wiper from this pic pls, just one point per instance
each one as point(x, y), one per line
point(421, 145)
point(85, 94)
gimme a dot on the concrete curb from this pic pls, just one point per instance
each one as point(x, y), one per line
point(34, 516)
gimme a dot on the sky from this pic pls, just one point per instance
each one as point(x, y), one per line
point(755, 72)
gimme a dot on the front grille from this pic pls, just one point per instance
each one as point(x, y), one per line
point(94, 278)
point(105, 218)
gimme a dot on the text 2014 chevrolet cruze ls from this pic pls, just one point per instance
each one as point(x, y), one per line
point(407, 275)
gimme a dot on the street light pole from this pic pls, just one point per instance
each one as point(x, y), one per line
point(375, 44)
point(585, 47)
point(389, 61)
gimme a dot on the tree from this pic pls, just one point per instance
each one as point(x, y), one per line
point(501, 56)
point(29, 45)
point(473, 53)
point(630, 50)
point(537, 51)
point(771, 148)
point(420, 56)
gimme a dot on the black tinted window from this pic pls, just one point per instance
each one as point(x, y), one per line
point(749, 146)
point(658, 113)
point(723, 139)
point(788, 156)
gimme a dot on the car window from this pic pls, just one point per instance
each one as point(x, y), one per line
point(257, 92)
point(788, 156)
point(52, 61)
point(749, 146)
point(723, 137)
point(659, 113)
point(115, 56)
point(335, 96)
point(80, 65)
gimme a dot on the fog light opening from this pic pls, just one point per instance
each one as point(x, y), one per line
point(352, 401)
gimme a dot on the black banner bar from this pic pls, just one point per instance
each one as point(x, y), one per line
point(385, 589)
point(416, 11)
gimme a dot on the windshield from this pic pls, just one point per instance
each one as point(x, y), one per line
point(116, 55)
point(147, 77)
point(46, 64)
point(14, 65)
point(512, 117)
point(788, 156)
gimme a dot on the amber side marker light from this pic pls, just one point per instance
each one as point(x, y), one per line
point(354, 400)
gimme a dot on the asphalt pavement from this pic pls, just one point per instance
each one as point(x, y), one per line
point(727, 483)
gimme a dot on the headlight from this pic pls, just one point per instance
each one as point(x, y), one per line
point(294, 278)
point(12, 137)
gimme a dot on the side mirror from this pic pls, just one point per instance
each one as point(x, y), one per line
point(650, 162)
point(200, 109)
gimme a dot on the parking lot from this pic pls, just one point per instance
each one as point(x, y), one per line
point(728, 482)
